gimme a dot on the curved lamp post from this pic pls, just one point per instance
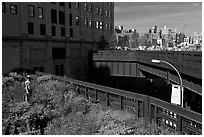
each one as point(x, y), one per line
point(162, 61)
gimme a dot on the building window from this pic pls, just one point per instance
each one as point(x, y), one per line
point(109, 3)
point(71, 32)
point(101, 25)
point(41, 68)
point(62, 31)
point(85, 6)
point(97, 10)
point(70, 19)
point(109, 15)
point(61, 4)
point(90, 8)
point(106, 13)
point(106, 26)
point(53, 16)
point(13, 9)
point(42, 29)
point(53, 2)
point(3, 7)
point(101, 12)
point(77, 5)
point(77, 20)
point(61, 18)
point(97, 24)
point(70, 5)
point(40, 13)
point(90, 23)
point(31, 11)
point(109, 27)
point(58, 53)
point(85, 22)
point(30, 28)
point(53, 31)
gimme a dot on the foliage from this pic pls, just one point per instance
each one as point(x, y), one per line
point(55, 108)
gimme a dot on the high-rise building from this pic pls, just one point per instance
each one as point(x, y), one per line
point(53, 37)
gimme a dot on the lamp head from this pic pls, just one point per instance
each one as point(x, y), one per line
point(155, 61)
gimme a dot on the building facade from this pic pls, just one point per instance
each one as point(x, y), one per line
point(53, 37)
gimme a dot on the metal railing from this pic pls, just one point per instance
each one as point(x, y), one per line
point(163, 113)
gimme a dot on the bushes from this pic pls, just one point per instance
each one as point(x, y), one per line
point(57, 109)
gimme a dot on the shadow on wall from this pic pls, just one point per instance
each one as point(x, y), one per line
point(97, 75)
point(102, 43)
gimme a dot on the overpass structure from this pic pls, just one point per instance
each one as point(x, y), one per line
point(137, 63)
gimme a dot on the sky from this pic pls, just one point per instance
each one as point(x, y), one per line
point(185, 16)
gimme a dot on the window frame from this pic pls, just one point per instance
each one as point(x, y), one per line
point(85, 6)
point(100, 25)
point(53, 30)
point(85, 22)
point(77, 21)
point(3, 7)
point(63, 29)
point(30, 31)
point(11, 9)
point(41, 29)
point(31, 11)
point(40, 13)
point(97, 10)
point(90, 8)
point(90, 23)
point(100, 11)
point(77, 5)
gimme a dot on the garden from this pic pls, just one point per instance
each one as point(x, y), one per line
point(55, 108)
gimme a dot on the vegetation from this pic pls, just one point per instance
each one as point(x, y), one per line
point(55, 108)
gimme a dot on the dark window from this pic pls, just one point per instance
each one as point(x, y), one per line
point(59, 70)
point(40, 13)
point(53, 2)
point(85, 6)
point(77, 5)
point(97, 10)
point(31, 11)
point(42, 29)
point(77, 20)
point(71, 32)
point(53, 16)
point(30, 28)
point(70, 5)
point(90, 23)
point(70, 19)
point(41, 69)
point(61, 18)
point(62, 31)
point(35, 68)
point(3, 7)
point(90, 8)
point(61, 4)
point(58, 53)
point(53, 31)
point(85, 22)
point(13, 9)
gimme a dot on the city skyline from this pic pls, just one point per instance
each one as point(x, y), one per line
point(185, 16)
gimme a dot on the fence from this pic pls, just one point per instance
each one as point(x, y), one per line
point(152, 109)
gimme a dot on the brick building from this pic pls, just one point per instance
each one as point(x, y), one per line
point(53, 37)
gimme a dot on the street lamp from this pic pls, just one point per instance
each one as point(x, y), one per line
point(162, 61)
